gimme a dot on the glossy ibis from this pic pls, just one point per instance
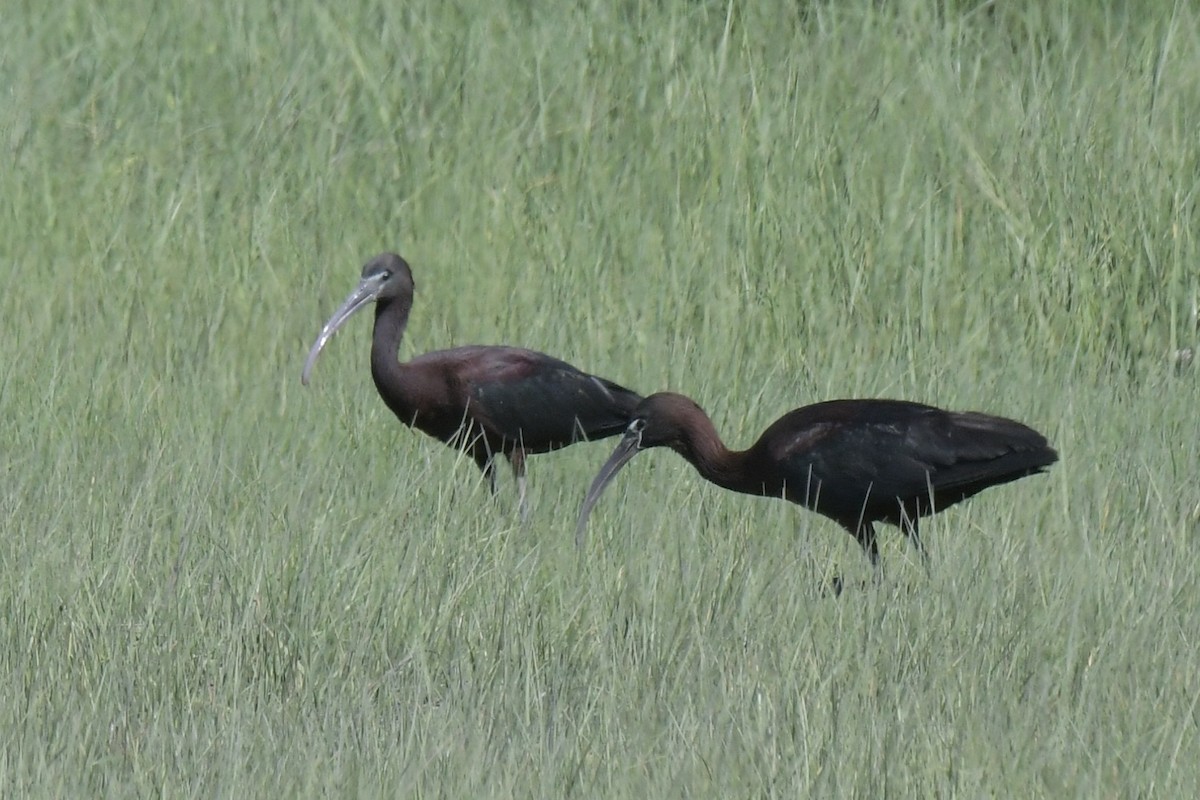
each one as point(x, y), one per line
point(484, 401)
point(857, 462)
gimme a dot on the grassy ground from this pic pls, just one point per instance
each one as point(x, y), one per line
point(217, 583)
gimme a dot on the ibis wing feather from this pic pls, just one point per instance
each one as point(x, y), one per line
point(529, 397)
point(900, 450)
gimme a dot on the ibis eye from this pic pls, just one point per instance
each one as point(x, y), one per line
point(637, 426)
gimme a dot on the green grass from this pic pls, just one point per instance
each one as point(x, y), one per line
point(218, 583)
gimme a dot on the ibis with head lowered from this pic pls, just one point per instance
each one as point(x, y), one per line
point(857, 462)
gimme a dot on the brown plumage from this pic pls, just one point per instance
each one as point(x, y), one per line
point(483, 400)
point(857, 462)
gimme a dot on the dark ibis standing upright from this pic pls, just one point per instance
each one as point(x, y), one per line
point(484, 401)
point(857, 462)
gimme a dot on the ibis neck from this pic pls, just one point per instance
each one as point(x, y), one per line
point(715, 462)
point(391, 318)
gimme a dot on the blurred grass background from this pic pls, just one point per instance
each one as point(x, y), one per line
point(218, 583)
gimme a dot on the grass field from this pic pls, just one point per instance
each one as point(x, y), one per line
point(217, 583)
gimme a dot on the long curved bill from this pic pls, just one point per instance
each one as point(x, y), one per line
point(366, 291)
point(629, 447)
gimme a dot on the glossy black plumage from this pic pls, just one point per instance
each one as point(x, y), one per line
point(483, 400)
point(857, 462)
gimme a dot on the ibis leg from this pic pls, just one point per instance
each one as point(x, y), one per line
point(909, 523)
point(517, 459)
point(489, 472)
point(865, 534)
point(915, 535)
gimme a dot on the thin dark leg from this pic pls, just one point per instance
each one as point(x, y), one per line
point(909, 523)
point(517, 459)
point(489, 472)
point(479, 450)
point(916, 540)
point(866, 537)
point(864, 534)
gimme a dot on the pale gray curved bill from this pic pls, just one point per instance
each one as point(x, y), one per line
point(366, 291)
point(626, 450)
